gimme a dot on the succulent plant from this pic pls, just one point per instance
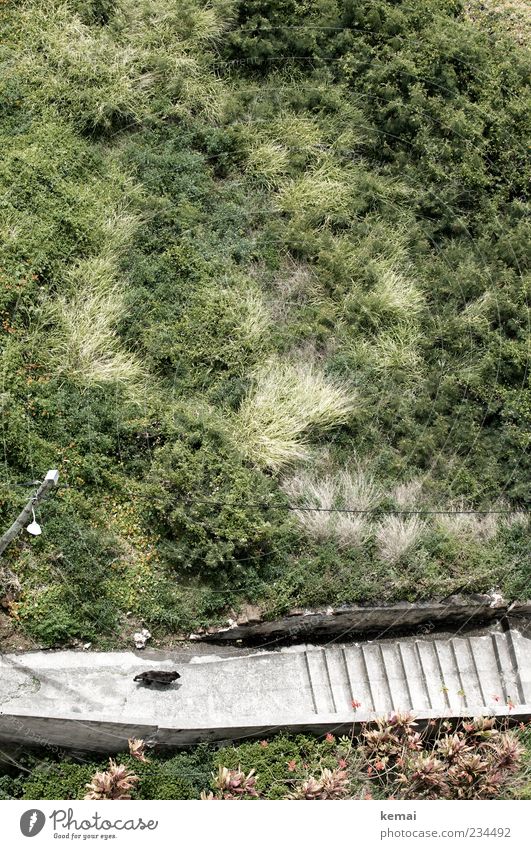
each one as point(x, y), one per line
point(208, 796)
point(311, 788)
point(452, 746)
point(233, 784)
point(115, 783)
point(331, 784)
point(473, 760)
point(507, 752)
point(137, 749)
point(424, 777)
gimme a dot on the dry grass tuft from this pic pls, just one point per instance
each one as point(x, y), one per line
point(469, 526)
point(256, 318)
point(516, 518)
point(295, 131)
point(349, 489)
point(408, 495)
point(294, 285)
point(268, 162)
point(389, 352)
point(106, 76)
point(396, 535)
point(394, 299)
point(351, 530)
point(287, 403)
point(85, 344)
point(306, 490)
point(319, 197)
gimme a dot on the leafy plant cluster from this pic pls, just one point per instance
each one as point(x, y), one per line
point(473, 761)
point(258, 254)
point(392, 758)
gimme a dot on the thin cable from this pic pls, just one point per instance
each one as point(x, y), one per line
point(373, 512)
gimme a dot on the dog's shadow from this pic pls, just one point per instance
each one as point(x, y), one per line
point(158, 687)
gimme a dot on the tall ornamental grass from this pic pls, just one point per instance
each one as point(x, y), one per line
point(288, 404)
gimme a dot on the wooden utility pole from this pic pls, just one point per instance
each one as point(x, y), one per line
point(23, 518)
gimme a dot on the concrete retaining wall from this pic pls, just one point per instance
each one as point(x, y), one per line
point(350, 621)
point(104, 736)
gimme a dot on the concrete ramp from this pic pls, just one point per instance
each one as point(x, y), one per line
point(90, 701)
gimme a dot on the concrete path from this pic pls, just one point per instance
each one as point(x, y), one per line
point(89, 700)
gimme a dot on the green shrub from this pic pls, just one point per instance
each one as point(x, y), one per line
point(392, 757)
point(66, 591)
point(306, 222)
point(63, 780)
point(279, 763)
point(209, 507)
point(178, 776)
point(9, 788)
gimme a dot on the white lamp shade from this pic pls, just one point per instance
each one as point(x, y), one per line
point(34, 529)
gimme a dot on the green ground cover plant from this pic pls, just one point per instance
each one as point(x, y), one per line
point(258, 255)
point(394, 757)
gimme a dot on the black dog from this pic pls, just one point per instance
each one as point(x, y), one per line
point(156, 676)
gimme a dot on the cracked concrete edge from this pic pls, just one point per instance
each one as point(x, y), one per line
point(104, 735)
point(356, 620)
point(520, 608)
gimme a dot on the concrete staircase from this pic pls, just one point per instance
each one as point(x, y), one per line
point(454, 674)
point(88, 700)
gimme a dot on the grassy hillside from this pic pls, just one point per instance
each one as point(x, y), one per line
point(257, 255)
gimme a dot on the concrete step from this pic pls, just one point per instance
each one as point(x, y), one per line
point(89, 700)
point(431, 674)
